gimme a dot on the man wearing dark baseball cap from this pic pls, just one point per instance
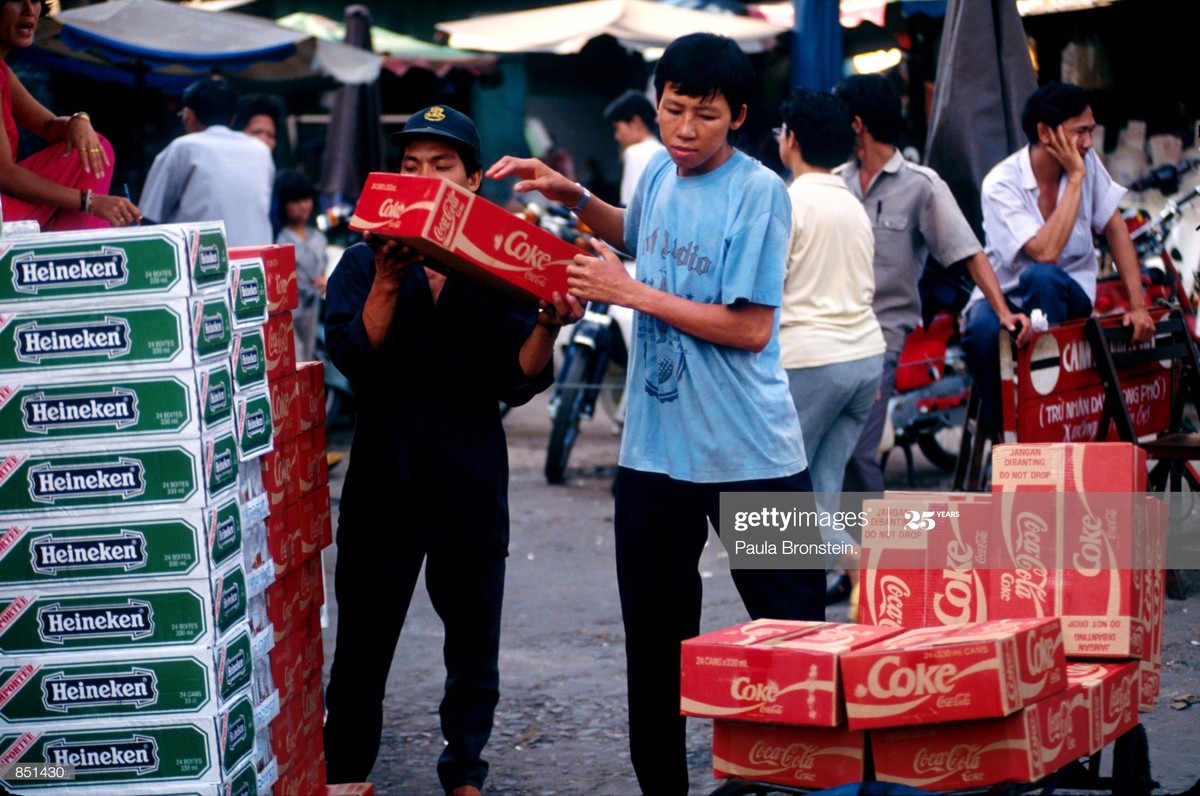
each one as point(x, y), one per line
point(429, 358)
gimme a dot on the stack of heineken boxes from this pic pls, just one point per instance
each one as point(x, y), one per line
point(133, 516)
point(296, 479)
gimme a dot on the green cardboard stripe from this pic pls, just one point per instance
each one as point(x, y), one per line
point(252, 424)
point(171, 753)
point(41, 690)
point(33, 623)
point(34, 412)
point(151, 261)
point(125, 478)
point(249, 359)
point(248, 292)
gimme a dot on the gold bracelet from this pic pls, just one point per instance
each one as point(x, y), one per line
point(80, 115)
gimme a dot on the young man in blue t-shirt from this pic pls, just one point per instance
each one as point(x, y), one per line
point(709, 408)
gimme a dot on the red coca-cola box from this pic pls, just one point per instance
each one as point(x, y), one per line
point(312, 584)
point(937, 674)
point(350, 789)
point(283, 603)
point(280, 341)
point(284, 538)
point(287, 669)
point(279, 260)
point(788, 754)
point(312, 460)
point(464, 232)
point(1024, 747)
point(306, 770)
point(1074, 530)
point(280, 474)
point(1113, 689)
point(285, 733)
point(310, 381)
point(925, 559)
point(285, 407)
point(771, 671)
point(316, 519)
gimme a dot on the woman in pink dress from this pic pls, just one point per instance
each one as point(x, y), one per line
point(64, 186)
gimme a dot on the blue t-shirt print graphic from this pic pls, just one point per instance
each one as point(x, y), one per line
point(662, 347)
point(684, 255)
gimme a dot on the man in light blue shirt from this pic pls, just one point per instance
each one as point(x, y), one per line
point(709, 408)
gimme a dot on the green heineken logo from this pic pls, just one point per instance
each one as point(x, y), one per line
point(117, 409)
point(137, 687)
point(138, 754)
point(107, 268)
point(133, 618)
point(35, 342)
point(126, 549)
point(124, 477)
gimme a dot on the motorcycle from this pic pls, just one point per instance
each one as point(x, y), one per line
point(593, 358)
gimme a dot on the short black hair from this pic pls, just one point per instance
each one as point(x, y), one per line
point(629, 105)
point(290, 186)
point(212, 100)
point(876, 101)
point(822, 125)
point(1051, 105)
point(704, 65)
point(253, 105)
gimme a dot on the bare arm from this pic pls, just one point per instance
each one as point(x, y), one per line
point(78, 135)
point(1016, 323)
point(392, 261)
point(1047, 245)
point(606, 221)
point(538, 349)
point(604, 279)
point(1125, 256)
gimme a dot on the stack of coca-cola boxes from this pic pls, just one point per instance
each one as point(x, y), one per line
point(126, 657)
point(774, 691)
point(295, 478)
point(1067, 533)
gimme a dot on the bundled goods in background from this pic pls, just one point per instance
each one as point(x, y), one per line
point(298, 522)
point(132, 523)
point(465, 232)
point(1067, 531)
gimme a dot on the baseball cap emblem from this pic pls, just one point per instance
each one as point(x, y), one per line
point(435, 114)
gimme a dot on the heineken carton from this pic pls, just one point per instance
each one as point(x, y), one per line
point(141, 686)
point(248, 358)
point(149, 614)
point(253, 420)
point(161, 261)
point(173, 333)
point(36, 408)
point(120, 478)
point(248, 292)
point(135, 758)
point(57, 550)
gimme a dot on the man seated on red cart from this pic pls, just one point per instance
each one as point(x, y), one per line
point(1041, 207)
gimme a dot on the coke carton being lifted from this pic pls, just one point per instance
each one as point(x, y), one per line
point(937, 674)
point(465, 232)
point(784, 672)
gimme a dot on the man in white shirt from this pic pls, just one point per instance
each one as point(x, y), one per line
point(1041, 207)
point(212, 173)
point(632, 117)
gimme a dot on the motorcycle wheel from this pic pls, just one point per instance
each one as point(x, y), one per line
point(567, 416)
point(940, 447)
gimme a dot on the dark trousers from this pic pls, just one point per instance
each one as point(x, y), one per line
point(661, 526)
point(1045, 287)
point(374, 581)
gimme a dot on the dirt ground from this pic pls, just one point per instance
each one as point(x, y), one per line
point(560, 724)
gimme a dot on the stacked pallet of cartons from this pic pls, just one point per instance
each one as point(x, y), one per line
point(295, 478)
point(127, 560)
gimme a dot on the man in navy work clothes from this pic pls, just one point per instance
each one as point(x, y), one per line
point(429, 357)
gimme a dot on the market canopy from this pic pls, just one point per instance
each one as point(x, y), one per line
point(641, 25)
point(115, 40)
point(400, 53)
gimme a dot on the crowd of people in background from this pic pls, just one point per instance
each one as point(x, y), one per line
point(763, 363)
